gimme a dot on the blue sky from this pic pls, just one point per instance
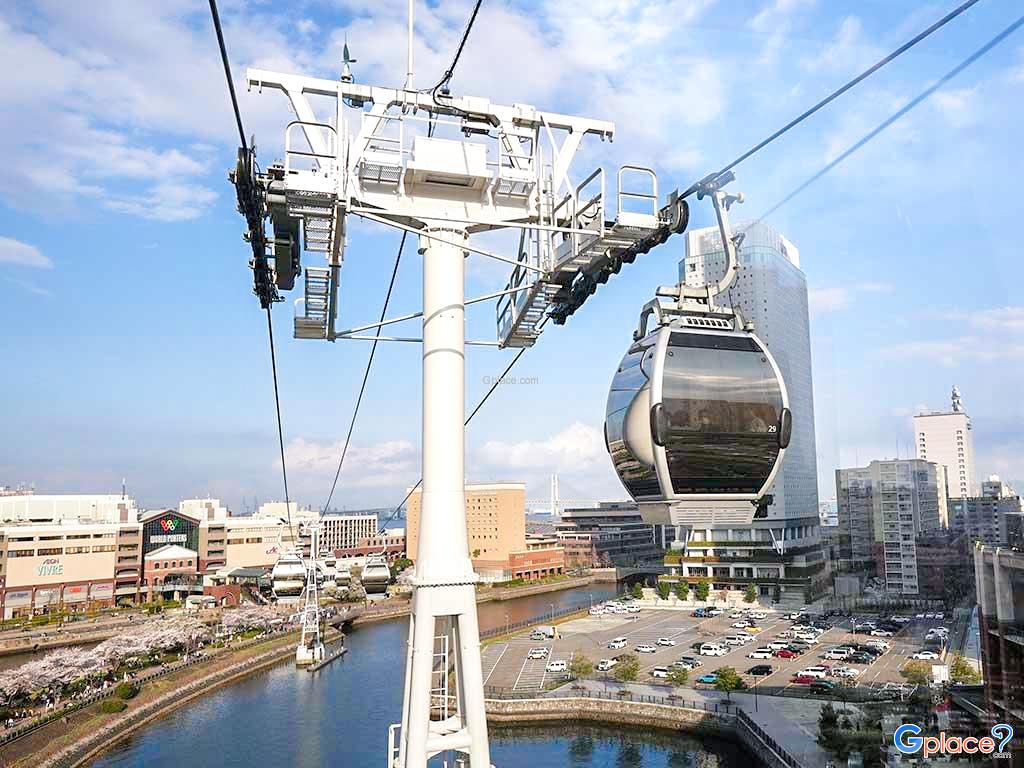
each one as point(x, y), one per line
point(133, 346)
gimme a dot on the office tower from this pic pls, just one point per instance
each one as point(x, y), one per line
point(945, 438)
point(771, 292)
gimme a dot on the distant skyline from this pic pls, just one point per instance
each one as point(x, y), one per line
point(134, 348)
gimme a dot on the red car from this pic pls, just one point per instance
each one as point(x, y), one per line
point(785, 653)
point(803, 679)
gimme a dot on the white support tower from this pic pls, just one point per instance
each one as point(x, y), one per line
point(311, 648)
point(446, 168)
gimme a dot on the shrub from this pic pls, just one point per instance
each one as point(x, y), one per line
point(702, 590)
point(126, 691)
point(664, 589)
point(638, 591)
point(751, 594)
point(682, 590)
point(627, 669)
point(112, 706)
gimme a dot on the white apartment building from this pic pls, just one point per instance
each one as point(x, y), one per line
point(771, 292)
point(882, 509)
point(204, 509)
point(43, 508)
point(945, 437)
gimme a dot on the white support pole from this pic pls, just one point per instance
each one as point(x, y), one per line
point(443, 586)
point(408, 71)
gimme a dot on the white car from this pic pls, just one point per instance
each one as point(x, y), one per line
point(740, 624)
point(847, 672)
point(617, 642)
point(714, 612)
point(713, 649)
point(661, 672)
point(925, 655)
point(666, 642)
point(940, 615)
point(758, 615)
point(919, 616)
point(807, 637)
point(538, 653)
point(882, 644)
point(761, 653)
point(557, 666)
point(931, 615)
point(836, 654)
point(819, 672)
point(646, 648)
point(738, 615)
point(633, 608)
point(604, 665)
point(737, 640)
point(880, 633)
point(597, 611)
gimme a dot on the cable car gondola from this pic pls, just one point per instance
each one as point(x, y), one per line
point(288, 577)
point(697, 421)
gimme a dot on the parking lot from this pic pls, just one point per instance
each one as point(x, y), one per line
point(506, 664)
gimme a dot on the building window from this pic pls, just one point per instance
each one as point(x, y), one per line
point(50, 551)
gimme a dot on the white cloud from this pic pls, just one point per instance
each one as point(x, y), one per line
point(31, 287)
point(777, 13)
point(378, 465)
point(1002, 318)
point(167, 202)
point(823, 300)
point(574, 446)
point(958, 107)
point(959, 350)
point(16, 252)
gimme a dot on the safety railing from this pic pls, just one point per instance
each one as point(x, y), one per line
point(323, 160)
point(617, 694)
point(743, 720)
point(647, 198)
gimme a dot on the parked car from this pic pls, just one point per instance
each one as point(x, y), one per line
point(737, 640)
point(847, 672)
point(760, 670)
point(881, 633)
point(633, 608)
point(660, 673)
point(860, 657)
point(699, 613)
point(753, 629)
point(557, 666)
point(690, 662)
point(739, 614)
point(538, 635)
point(925, 655)
point(881, 645)
point(538, 653)
point(714, 612)
point(803, 679)
point(597, 611)
point(822, 686)
point(618, 642)
point(776, 645)
point(713, 649)
point(645, 648)
point(785, 653)
point(817, 671)
point(666, 642)
point(797, 649)
point(838, 654)
point(761, 653)
point(709, 679)
point(605, 665)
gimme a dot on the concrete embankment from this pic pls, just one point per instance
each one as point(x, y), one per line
point(701, 722)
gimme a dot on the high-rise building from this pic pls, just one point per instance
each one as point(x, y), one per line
point(496, 528)
point(883, 508)
point(995, 518)
point(41, 508)
point(945, 438)
point(771, 292)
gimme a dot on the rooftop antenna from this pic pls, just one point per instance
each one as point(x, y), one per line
point(408, 70)
point(958, 405)
point(346, 70)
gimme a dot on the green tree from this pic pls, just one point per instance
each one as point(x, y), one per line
point(728, 681)
point(627, 669)
point(678, 677)
point(664, 590)
point(702, 590)
point(638, 591)
point(917, 673)
point(751, 594)
point(960, 671)
point(682, 589)
point(580, 666)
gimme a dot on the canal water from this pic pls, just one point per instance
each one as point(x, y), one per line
point(338, 717)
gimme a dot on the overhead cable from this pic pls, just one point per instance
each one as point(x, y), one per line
point(839, 92)
point(366, 376)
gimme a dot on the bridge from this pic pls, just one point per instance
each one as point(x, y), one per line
point(625, 572)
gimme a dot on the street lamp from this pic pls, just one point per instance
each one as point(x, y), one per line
point(506, 624)
point(552, 612)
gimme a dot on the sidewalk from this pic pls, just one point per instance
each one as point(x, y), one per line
point(791, 722)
